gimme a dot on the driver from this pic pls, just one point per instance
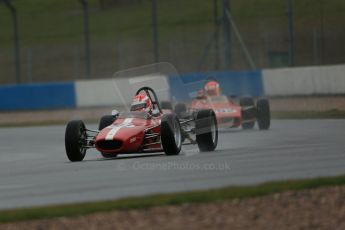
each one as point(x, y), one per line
point(142, 103)
point(212, 88)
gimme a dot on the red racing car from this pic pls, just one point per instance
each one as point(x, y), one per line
point(145, 129)
point(229, 113)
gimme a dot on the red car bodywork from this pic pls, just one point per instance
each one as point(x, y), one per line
point(228, 113)
point(131, 134)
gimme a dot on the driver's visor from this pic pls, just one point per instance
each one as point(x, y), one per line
point(138, 106)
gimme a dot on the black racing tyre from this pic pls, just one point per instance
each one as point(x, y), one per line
point(166, 105)
point(206, 130)
point(263, 114)
point(171, 134)
point(234, 99)
point(106, 121)
point(180, 109)
point(248, 112)
point(75, 140)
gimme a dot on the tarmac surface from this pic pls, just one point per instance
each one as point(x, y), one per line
point(35, 171)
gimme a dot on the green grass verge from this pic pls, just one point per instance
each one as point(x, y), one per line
point(227, 193)
point(329, 114)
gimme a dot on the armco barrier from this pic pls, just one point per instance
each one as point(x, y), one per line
point(106, 92)
point(277, 82)
point(318, 80)
point(246, 83)
point(37, 96)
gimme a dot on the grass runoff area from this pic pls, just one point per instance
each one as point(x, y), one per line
point(214, 195)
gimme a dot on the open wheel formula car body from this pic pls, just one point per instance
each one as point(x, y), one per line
point(142, 132)
point(133, 133)
point(230, 114)
point(227, 112)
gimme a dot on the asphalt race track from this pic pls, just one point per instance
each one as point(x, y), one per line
point(34, 169)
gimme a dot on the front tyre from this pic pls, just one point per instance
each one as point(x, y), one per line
point(75, 140)
point(206, 130)
point(171, 135)
point(263, 114)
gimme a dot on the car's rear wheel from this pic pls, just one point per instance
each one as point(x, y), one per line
point(75, 140)
point(166, 105)
point(106, 121)
point(180, 110)
point(248, 112)
point(171, 135)
point(103, 123)
point(206, 130)
point(263, 114)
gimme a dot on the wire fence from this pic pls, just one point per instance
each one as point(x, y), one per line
point(121, 37)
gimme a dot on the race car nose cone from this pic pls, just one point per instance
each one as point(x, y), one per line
point(109, 144)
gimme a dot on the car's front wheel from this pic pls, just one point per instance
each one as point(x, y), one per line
point(75, 140)
point(248, 112)
point(171, 135)
point(263, 114)
point(206, 130)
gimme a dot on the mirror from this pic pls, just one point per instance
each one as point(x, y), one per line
point(115, 113)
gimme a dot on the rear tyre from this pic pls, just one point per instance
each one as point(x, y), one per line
point(263, 114)
point(106, 121)
point(75, 140)
point(166, 105)
point(206, 130)
point(248, 112)
point(180, 109)
point(171, 135)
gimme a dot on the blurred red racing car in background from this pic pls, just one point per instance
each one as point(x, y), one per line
point(230, 111)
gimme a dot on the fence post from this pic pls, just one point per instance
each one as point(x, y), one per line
point(291, 34)
point(85, 5)
point(13, 11)
point(76, 62)
point(154, 30)
point(216, 36)
point(29, 56)
point(227, 34)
